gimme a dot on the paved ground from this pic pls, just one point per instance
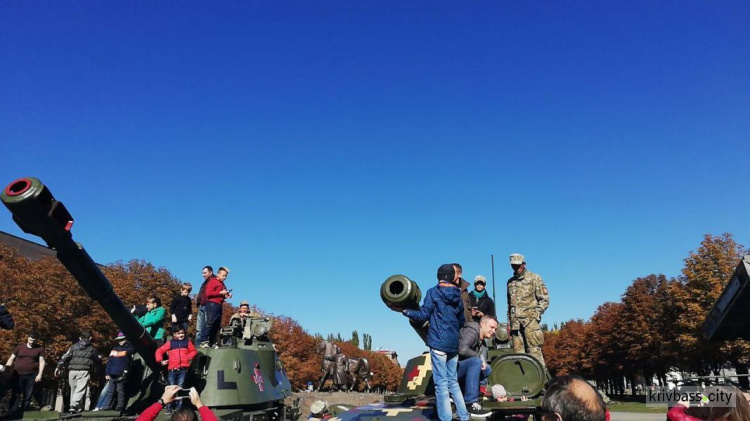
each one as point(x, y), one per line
point(637, 416)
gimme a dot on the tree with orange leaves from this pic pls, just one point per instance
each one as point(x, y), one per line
point(705, 275)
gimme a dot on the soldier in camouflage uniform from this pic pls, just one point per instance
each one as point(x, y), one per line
point(528, 298)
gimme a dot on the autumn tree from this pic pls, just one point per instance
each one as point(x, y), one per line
point(563, 350)
point(297, 350)
point(605, 357)
point(43, 296)
point(648, 319)
point(707, 271)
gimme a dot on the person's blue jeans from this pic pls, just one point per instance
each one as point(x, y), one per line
point(105, 398)
point(445, 377)
point(176, 377)
point(115, 383)
point(200, 323)
point(470, 371)
point(213, 323)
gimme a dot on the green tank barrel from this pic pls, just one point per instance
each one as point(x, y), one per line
point(398, 292)
point(37, 212)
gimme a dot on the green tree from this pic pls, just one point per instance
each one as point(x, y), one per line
point(367, 342)
point(355, 339)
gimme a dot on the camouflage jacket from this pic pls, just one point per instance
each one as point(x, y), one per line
point(528, 298)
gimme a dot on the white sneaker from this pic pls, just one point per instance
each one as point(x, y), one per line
point(96, 409)
point(476, 411)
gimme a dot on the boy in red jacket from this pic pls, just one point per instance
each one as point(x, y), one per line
point(180, 352)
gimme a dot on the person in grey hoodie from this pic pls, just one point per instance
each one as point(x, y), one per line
point(442, 307)
point(472, 367)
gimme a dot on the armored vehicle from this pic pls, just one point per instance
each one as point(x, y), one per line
point(522, 376)
point(241, 379)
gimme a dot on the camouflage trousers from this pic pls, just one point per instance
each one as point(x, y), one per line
point(529, 340)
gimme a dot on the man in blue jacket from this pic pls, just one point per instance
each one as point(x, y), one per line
point(116, 374)
point(444, 310)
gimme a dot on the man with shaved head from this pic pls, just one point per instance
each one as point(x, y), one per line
point(571, 398)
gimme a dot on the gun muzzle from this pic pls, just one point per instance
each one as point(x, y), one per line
point(37, 212)
point(400, 292)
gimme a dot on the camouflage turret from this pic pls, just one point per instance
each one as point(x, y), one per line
point(241, 379)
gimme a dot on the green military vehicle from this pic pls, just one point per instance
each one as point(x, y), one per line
point(241, 380)
point(522, 376)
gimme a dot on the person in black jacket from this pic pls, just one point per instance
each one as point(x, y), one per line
point(481, 303)
point(80, 358)
point(182, 308)
point(6, 319)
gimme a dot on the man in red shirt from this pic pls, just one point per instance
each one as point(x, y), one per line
point(216, 292)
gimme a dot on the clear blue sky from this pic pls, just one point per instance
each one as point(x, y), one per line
point(318, 147)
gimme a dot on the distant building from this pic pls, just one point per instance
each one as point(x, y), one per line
point(392, 355)
point(26, 248)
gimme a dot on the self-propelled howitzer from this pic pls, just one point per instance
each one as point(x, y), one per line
point(241, 379)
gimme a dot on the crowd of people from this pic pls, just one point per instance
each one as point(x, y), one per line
point(27, 360)
point(460, 323)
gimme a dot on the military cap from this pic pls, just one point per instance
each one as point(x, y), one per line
point(517, 259)
point(480, 279)
point(244, 303)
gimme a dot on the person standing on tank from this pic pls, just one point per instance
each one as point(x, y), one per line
point(481, 303)
point(154, 319)
point(200, 302)
point(463, 285)
point(444, 310)
point(182, 308)
point(80, 359)
point(528, 299)
point(216, 294)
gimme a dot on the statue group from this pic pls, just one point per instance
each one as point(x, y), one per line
point(342, 371)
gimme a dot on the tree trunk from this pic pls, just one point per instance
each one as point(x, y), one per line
point(742, 380)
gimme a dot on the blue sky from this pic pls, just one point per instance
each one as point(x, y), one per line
point(317, 148)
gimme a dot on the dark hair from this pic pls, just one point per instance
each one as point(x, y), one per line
point(178, 328)
point(187, 287)
point(566, 397)
point(184, 414)
point(155, 299)
point(85, 335)
point(458, 265)
point(210, 269)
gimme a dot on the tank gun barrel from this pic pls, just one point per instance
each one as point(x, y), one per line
point(37, 212)
point(398, 292)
